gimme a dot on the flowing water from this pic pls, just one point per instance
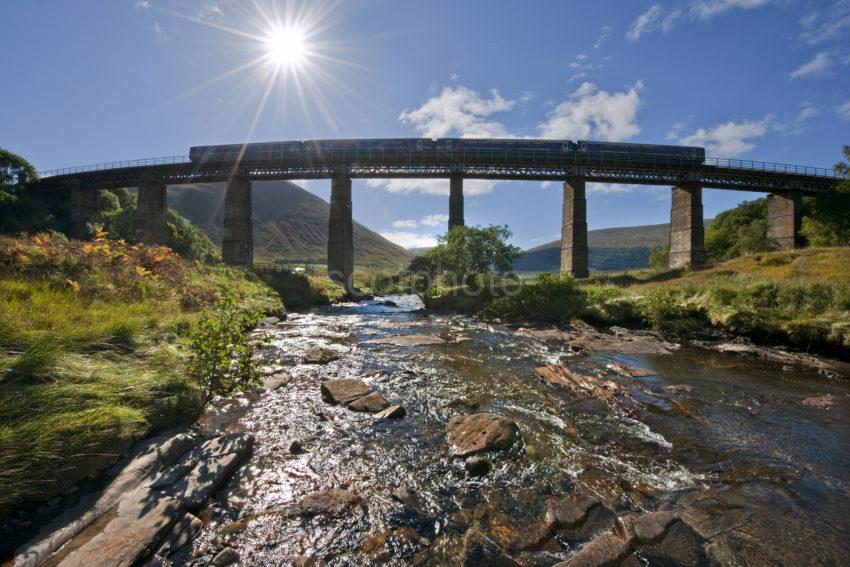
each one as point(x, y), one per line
point(766, 475)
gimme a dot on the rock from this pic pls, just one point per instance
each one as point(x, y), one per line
point(477, 466)
point(371, 403)
point(822, 402)
point(630, 371)
point(388, 303)
point(679, 388)
point(481, 551)
point(392, 412)
point(305, 561)
point(647, 528)
point(295, 448)
point(182, 533)
point(606, 549)
point(343, 391)
point(830, 368)
point(624, 341)
point(275, 381)
point(139, 523)
point(471, 434)
point(407, 340)
point(582, 385)
point(332, 502)
point(268, 321)
point(227, 556)
point(319, 355)
point(570, 511)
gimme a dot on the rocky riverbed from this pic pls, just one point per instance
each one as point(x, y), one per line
point(390, 436)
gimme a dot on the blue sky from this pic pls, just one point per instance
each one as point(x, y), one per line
point(89, 81)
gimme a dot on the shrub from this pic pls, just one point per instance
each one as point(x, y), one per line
point(552, 298)
point(222, 356)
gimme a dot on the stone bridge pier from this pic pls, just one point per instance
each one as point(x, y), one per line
point(152, 213)
point(574, 229)
point(341, 232)
point(455, 201)
point(783, 220)
point(237, 244)
point(687, 234)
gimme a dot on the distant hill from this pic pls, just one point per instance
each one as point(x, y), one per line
point(623, 248)
point(290, 223)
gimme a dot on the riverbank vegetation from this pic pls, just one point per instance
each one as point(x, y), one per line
point(93, 352)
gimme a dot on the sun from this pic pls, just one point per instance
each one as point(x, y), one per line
point(286, 47)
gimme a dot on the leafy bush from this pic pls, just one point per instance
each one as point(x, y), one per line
point(222, 356)
point(551, 297)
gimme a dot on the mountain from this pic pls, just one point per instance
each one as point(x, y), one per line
point(290, 223)
point(623, 248)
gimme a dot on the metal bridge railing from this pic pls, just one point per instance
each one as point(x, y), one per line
point(114, 165)
point(475, 157)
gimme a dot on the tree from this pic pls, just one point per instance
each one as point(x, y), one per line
point(470, 251)
point(659, 257)
point(827, 222)
point(15, 171)
point(742, 230)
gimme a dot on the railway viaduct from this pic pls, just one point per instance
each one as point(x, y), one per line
point(786, 184)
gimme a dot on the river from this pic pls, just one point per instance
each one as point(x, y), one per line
point(761, 476)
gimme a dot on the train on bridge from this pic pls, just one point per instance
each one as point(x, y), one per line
point(347, 150)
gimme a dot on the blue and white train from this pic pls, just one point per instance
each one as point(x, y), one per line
point(345, 150)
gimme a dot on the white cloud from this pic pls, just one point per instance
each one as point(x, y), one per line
point(829, 24)
point(705, 9)
point(843, 110)
point(655, 17)
point(604, 34)
point(160, 33)
point(431, 186)
point(142, 5)
point(797, 124)
point(461, 110)
point(818, 65)
point(455, 77)
point(644, 23)
point(405, 223)
point(592, 113)
point(728, 140)
point(435, 220)
point(609, 188)
point(410, 239)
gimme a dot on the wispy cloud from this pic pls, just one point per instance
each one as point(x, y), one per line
point(142, 5)
point(410, 239)
point(405, 223)
point(160, 33)
point(431, 186)
point(815, 67)
point(728, 139)
point(843, 110)
point(604, 34)
point(436, 219)
point(827, 24)
point(657, 17)
point(593, 113)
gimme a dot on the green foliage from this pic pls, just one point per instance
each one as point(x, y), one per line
point(659, 257)
point(301, 291)
point(742, 230)
point(222, 356)
point(550, 298)
point(15, 171)
point(828, 220)
point(469, 251)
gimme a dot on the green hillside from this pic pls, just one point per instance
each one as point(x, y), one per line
point(289, 223)
point(623, 248)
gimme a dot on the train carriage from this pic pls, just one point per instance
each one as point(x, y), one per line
point(508, 144)
point(642, 150)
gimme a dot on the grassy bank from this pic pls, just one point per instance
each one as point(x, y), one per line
point(91, 353)
point(799, 298)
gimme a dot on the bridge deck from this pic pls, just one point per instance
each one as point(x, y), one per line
point(473, 164)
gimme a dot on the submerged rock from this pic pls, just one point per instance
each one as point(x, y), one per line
point(481, 551)
point(824, 402)
point(630, 371)
point(680, 388)
point(477, 466)
point(343, 391)
point(614, 397)
point(392, 412)
point(332, 502)
point(275, 381)
point(745, 347)
point(407, 340)
point(371, 403)
point(471, 434)
point(319, 355)
point(624, 341)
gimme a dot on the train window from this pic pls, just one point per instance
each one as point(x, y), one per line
point(448, 144)
point(419, 145)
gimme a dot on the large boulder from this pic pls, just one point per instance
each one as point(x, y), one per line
point(370, 403)
point(319, 355)
point(471, 434)
point(343, 391)
point(481, 551)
